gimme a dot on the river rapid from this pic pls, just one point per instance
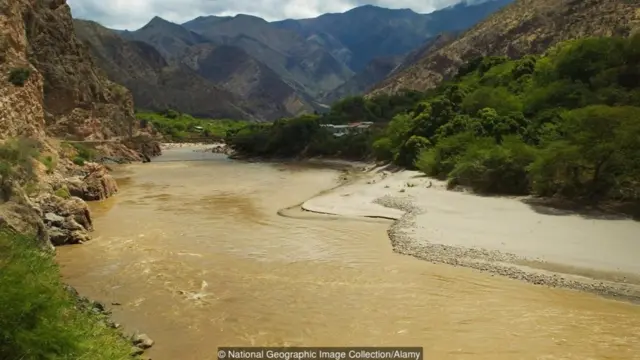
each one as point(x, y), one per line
point(195, 253)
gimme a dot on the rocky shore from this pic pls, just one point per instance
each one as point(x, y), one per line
point(139, 341)
point(437, 225)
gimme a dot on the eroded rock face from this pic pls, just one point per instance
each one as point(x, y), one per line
point(21, 107)
point(97, 184)
point(145, 144)
point(142, 147)
point(80, 102)
point(65, 93)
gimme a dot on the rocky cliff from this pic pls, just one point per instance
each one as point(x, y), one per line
point(52, 89)
point(73, 97)
point(524, 27)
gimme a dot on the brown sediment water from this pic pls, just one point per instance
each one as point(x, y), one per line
point(198, 257)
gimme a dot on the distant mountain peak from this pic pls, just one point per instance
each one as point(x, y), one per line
point(251, 18)
point(375, 8)
point(157, 21)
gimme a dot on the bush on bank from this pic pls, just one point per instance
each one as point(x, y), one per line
point(39, 319)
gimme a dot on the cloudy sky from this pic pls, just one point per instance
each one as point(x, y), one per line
point(132, 14)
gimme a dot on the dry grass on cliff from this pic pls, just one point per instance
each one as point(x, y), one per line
point(38, 318)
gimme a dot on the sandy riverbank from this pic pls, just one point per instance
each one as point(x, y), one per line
point(501, 235)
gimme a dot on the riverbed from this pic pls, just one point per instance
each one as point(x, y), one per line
point(195, 253)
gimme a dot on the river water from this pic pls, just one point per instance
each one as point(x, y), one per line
point(198, 257)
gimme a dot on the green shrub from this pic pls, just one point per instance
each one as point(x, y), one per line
point(383, 149)
point(19, 76)
point(50, 162)
point(440, 160)
point(63, 192)
point(38, 318)
point(16, 158)
point(78, 161)
point(84, 152)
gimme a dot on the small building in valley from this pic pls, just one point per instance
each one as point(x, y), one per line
point(352, 128)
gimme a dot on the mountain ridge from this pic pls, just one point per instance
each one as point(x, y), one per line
point(267, 70)
point(521, 28)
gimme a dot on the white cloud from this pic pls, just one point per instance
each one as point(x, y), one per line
point(132, 14)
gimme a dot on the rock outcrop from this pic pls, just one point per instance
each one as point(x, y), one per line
point(97, 184)
point(68, 220)
point(21, 215)
point(524, 27)
point(52, 86)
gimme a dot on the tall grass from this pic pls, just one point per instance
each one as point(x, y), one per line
point(39, 319)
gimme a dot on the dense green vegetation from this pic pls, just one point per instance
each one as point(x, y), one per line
point(566, 123)
point(183, 127)
point(39, 319)
point(301, 136)
point(19, 76)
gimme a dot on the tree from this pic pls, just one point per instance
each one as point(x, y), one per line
point(598, 153)
point(490, 168)
point(410, 150)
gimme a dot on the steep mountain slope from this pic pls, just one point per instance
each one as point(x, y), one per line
point(431, 44)
point(379, 69)
point(233, 69)
point(524, 27)
point(364, 33)
point(204, 79)
point(168, 38)
point(306, 65)
point(155, 84)
point(376, 71)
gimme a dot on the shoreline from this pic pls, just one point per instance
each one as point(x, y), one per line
point(400, 196)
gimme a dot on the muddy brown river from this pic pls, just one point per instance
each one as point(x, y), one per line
point(198, 257)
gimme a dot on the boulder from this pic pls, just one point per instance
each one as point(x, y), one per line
point(60, 236)
point(71, 209)
point(142, 341)
point(53, 219)
point(71, 224)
